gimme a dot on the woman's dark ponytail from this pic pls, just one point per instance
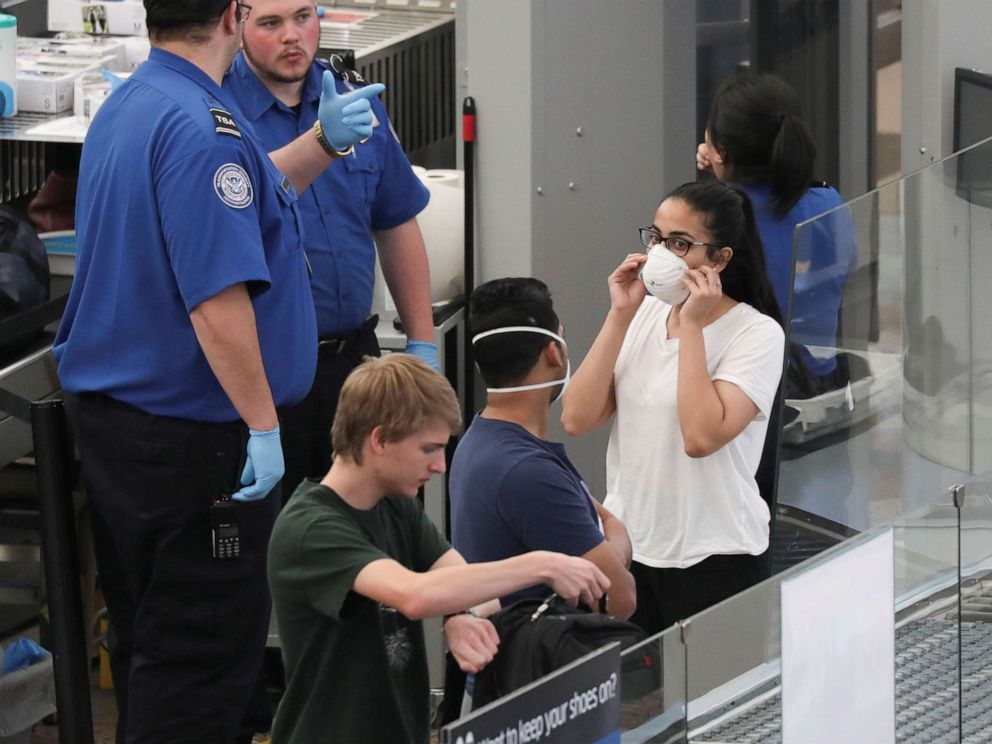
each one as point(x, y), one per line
point(790, 167)
point(750, 276)
point(729, 218)
point(754, 123)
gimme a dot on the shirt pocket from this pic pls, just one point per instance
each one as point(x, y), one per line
point(363, 167)
point(292, 221)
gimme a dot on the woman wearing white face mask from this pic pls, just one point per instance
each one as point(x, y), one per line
point(691, 374)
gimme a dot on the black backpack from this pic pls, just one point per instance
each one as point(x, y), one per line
point(24, 274)
point(536, 641)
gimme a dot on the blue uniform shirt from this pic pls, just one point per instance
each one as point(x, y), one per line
point(177, 200)
point(373, 189)
point(825, 255)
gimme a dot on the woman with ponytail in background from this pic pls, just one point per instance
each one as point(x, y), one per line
point(689, 359)
point(755, 139)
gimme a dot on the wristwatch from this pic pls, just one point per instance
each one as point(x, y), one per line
point(326, 146)
point(470, 611)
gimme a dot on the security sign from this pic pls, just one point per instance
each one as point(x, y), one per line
point(578, 704)
point(233, 186)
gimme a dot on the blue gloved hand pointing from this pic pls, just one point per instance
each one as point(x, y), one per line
point(264, 466)
point(115, 82)
point(346, 118)
point(425, 351)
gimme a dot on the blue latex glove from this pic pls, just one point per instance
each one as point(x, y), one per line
point(115, 82)
point(425, 351)
point(22, 653)
point(264, 466)
point(346, 119)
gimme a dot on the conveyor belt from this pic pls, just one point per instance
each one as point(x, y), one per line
point(380, 31)
point(926, 687)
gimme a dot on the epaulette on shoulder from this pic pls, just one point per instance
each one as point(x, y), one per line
point(224, 122)
point(819, 185)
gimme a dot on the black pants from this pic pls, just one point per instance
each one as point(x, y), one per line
point(306, 427)
point(667, 595)
point(188, 630)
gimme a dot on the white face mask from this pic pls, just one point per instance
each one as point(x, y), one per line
point(662, 275)
point(537, 385)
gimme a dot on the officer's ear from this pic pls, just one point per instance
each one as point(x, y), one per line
point(231, 19)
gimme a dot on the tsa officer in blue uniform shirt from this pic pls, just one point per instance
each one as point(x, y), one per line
point(189, 324)
point(375, 195)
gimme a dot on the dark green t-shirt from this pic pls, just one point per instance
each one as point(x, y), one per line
point(356, 671)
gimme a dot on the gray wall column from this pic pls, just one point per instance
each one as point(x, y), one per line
point(586, 120)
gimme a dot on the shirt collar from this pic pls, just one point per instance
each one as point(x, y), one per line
point(186, 68)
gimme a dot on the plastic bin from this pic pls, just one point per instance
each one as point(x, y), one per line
point(26, 696)
point(61, 249)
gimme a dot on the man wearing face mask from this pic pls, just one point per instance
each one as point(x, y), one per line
point(511, 490)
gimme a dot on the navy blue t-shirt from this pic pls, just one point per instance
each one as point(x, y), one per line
point(372, 189)
point(512, 493)
point(177, 200)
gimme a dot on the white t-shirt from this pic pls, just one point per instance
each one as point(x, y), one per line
point(677, 509)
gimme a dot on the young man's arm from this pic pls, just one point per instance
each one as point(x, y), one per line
point(450, 587)
point(613, 556)
point(472, 639)
point(616, 534)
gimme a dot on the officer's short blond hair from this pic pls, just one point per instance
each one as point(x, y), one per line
point(397, 392)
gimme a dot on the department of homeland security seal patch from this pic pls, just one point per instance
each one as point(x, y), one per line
point(233, 186)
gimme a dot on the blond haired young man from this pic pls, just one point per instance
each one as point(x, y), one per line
point(355, 564)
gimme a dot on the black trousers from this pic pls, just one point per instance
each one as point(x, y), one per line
point(306, 427)
point(189, 631)
point(667, 595)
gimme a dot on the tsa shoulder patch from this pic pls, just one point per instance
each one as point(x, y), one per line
point(232, 186)
point(225, 123)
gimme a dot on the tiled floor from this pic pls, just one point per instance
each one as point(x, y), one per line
point(104, 721)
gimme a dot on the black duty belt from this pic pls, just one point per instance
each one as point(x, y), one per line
point(334, 345)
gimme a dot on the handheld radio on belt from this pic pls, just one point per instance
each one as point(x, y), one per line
point(225, 537)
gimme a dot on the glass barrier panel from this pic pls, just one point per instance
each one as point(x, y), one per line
point(734, 662)
point(652, 690)
point(976, 610)
point(889, 382)
point(840, 457)
point(732, 667)
point(927, 667)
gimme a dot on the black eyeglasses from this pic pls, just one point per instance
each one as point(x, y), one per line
point(679, 246)
point(243, 14)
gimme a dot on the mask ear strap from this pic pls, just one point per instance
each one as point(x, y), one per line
point(522, 329)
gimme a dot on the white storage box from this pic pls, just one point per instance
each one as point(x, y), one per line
point(90, 91)
point(121, 17)
point(112, 50)
point(47, 88)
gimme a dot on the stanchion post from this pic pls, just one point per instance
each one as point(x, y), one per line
point(53, 462)
point(468, 137)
